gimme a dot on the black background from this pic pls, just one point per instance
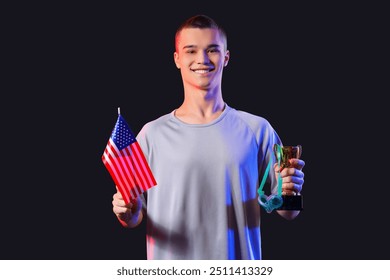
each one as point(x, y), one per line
point(306, 68)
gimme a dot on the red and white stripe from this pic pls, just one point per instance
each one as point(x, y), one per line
point(129, 169)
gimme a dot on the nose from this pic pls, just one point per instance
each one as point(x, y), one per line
point(202, 57)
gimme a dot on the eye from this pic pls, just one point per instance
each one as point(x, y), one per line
point(214, 50)
point(190, 51)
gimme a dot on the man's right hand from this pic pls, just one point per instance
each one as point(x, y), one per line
point(129, 215)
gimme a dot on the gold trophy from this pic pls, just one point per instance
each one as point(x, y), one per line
point(283, 154)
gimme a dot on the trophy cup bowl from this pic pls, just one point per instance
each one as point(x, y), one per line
point(290, 202)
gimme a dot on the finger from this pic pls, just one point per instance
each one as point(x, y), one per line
point(288, 192)
point(293, 179)
point(292, 187)
point(277, 168)
point(118, 193)
point(121, 210)
point(119, 201)
point(117, 197)
point(292, 172)
point(297, 163)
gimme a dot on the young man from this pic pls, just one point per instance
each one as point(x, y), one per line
point(208, 159)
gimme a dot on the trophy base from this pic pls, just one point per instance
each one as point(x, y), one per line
point(292, 202)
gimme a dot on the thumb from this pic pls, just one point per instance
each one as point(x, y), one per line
point(277, 168)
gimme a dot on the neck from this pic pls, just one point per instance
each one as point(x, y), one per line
point(200, 107)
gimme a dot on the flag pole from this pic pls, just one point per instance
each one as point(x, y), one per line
point(119, 110)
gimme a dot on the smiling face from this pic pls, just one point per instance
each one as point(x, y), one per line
point(201, 55)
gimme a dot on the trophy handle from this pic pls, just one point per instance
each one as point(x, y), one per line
point(299, 151)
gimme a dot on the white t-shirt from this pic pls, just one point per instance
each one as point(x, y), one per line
point(205, 203)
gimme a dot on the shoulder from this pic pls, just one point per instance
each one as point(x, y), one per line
point(154, 126)
point(261, 128)
point(255, 122)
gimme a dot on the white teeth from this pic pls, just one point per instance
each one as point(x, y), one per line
point(201, 71)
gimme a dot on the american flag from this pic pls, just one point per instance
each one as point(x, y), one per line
point(126, 162)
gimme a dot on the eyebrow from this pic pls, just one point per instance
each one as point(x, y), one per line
point(209, 46)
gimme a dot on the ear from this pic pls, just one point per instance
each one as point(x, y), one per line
point(176, 59)
point(227, 57)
